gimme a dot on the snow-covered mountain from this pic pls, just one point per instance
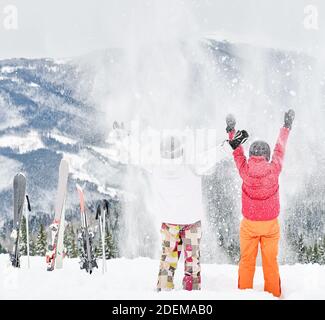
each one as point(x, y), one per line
point(47, 110)
point(45, 115)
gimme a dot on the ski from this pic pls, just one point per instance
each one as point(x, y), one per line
point(54, 255)
point(102, 210)
point(51, 250)
point(87, 257)
point(19, 187)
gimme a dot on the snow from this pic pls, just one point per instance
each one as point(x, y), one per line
point(8, 168)
point(110, 153)
point(12, 69)
point(136, 279)
point(53, 68)
point(23, 144)
point(9, 116)
point(34, 85)
point(62, 139)
point(78, 170)
point(107, 190)
point(8, 69)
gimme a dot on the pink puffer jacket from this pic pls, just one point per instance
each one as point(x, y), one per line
point(260, 189)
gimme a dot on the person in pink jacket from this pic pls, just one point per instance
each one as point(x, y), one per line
point(260, 206)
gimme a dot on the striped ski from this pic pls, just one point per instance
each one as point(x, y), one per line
point(87, 258)
point(54, 256)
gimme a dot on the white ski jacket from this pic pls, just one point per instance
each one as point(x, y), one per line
point(176, 189)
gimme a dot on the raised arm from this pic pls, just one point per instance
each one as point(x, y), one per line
point(239, 157)
point(280, 146)
point(236, 139)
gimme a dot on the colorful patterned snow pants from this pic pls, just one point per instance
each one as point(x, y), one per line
point(174, 238)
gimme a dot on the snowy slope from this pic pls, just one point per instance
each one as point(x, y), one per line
point(135, 279)
point(44, 114)
point(23, 143)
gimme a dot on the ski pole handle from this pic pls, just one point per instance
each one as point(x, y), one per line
point(98, 211)
point(28, 203)
point(106, 206)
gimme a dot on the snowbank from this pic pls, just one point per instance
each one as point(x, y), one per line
point(135, 279)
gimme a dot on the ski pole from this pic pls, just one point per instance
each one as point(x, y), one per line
point(27, 209)
point(103, 245)
point(103, 241)
point(99, 216)
point(104, 231)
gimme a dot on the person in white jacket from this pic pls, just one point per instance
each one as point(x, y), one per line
point(177, 197)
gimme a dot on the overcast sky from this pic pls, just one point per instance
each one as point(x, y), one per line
point(64, 28)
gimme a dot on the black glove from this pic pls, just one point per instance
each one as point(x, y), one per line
point(288, 118)
point(231, 122)
point(240, 137)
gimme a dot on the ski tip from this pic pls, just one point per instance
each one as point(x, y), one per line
point(19, 179)
point(20, 175)
point(78, 187)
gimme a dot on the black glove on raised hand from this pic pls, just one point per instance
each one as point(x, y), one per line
point(288, 118)
point(240, 137)
point(231, 122)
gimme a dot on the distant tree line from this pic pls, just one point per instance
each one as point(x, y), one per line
point(39, 238)
point(310, 254)
point(303, 225)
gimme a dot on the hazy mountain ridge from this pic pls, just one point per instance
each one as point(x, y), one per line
point(46, 111)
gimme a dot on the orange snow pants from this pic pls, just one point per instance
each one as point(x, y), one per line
point(267, 233)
